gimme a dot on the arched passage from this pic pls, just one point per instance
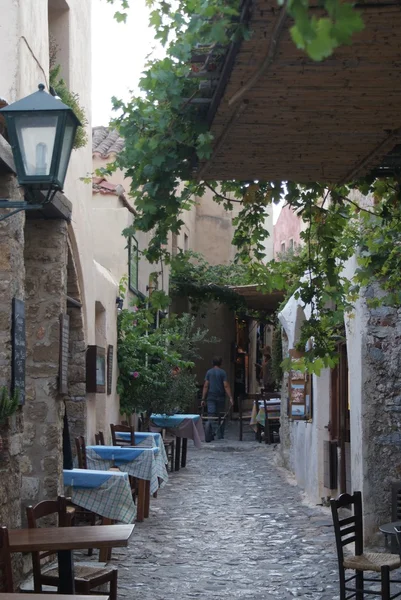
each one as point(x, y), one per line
point(76, 398)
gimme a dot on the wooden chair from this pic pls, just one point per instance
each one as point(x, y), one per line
point(87, 576)
point(6, 573)
point(169, 442)
point(169, 446)
point(99, 439)
point(244, 414)
point(348, 529)
point(272, 422)
point(81, 452)
point(116, 441)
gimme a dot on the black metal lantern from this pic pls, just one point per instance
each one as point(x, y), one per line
point(42, 131)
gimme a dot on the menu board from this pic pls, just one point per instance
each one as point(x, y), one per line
point(110, 352)
point(300, 396)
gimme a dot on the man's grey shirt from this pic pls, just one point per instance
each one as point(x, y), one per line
point(216, 378)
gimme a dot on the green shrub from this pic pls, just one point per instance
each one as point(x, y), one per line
point(8, 404)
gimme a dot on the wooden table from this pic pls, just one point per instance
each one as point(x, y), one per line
point(388, 530)
point(65, 539)
point(45, 596)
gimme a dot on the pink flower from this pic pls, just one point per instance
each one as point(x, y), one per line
point(135, 374)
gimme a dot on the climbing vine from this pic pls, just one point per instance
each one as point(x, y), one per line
point(319, 36)
point(166, 134)
point(192, 276)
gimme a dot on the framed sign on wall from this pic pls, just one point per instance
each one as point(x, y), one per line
point(110, 352)
point(95, 370)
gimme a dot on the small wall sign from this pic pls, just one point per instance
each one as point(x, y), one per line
point(110, 352)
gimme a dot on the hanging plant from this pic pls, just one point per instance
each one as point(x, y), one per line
point(59, 87)
point(8, 406)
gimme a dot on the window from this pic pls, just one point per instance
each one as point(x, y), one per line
point(59, 37)
point(282, 247)
point(133, 264)
point(186, 243)
point(291, 244)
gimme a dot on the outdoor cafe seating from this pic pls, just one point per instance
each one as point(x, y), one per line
point(144, 464)
point(59, 540)
point(87, 576)
point(125, 435)
point(348, 528)
point(261, 413)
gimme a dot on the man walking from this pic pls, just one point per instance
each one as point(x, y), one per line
point(215, 389)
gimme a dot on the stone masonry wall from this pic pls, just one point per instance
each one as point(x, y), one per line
point(381, 412)
point(11, 285)
point(76, 399)
point(46, 287)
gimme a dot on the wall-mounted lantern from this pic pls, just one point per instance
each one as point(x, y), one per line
point(41, 130)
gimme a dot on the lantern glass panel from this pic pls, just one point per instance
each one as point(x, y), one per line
point(68, 140)
point(36, 136)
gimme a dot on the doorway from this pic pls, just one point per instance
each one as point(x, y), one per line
point(339, 425)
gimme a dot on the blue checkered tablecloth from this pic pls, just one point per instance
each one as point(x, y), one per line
point(171, 421)
point(106, 493)
point(143, 463)
point(147, 439)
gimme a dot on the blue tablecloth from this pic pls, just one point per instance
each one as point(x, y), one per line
point(87, 478)
point(143, 462)
point(117, 454)
point(106, 493)
point(140, 436)
point(171, 421)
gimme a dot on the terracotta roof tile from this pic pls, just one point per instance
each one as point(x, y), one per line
point(106, 141)
point(102, 186)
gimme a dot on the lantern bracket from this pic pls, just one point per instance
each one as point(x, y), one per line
point(19, 205)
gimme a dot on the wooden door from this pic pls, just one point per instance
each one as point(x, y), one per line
point(339, 424)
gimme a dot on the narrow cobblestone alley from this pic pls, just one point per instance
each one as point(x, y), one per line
point(230, 525)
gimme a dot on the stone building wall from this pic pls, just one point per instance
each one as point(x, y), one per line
point(46, 287)
point(11, 285)
point(381, 411)
point(75, 401)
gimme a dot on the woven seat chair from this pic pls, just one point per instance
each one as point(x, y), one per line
point(81, 452)
point(348, 529)
point(6, 573)
point(87, 576)
point(245, 405)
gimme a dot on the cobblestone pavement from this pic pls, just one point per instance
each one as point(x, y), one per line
point(230, 525)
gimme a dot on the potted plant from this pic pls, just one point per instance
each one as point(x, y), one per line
point(156, 364)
